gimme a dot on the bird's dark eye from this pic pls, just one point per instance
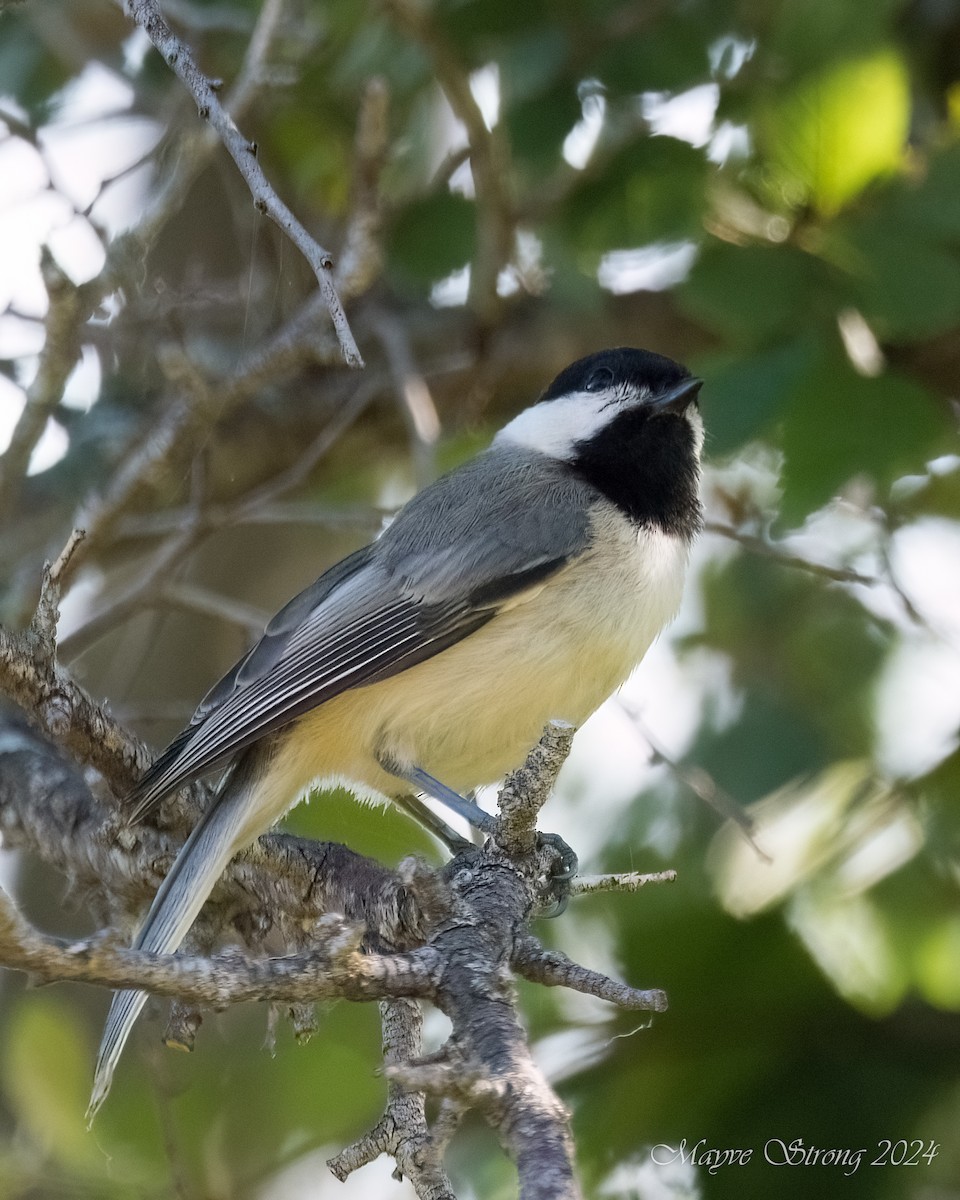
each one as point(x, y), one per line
point(601, 378)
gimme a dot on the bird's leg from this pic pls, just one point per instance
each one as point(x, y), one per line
point(475, 816)
point(425, 816)
point(472, 813)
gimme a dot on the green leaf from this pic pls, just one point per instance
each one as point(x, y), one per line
point(650, 191)
point(808, 35)
point(837, 131)
point(470, 21)
point(316, 154)
point(905, 284)
point(935, 494)
point(806, 659)
point(46, 1077)
point(937, 959)
point(367, 45)
point(667, 55)
point(756, 293)
point(927, 201)
point(430, 238)
point(841, 424)
point(744, 397)
point(538, 126)
point(533, 62)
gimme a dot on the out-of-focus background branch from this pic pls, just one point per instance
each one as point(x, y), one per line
point(768, 191)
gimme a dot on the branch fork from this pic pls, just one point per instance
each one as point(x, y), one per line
point(456, 937)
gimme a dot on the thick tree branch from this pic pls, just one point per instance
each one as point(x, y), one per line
point(351, 928)
point(47, 808)
point(334, 969)
point(451, 939)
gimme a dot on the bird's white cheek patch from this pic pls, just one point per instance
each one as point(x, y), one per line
point(554, 427)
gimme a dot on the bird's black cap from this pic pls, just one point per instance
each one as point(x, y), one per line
point(642, 368)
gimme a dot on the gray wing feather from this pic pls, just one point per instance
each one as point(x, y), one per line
point(453, 555)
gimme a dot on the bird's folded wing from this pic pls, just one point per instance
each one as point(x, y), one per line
point(378, 612)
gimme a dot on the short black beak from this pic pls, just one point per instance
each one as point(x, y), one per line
point(678, 398)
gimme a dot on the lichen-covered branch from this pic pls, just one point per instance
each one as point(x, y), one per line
point(352, 929)
point(334, 969)
point(451, 938)
point(402, 1131)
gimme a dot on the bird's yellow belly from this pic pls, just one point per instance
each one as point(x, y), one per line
point(557, 654)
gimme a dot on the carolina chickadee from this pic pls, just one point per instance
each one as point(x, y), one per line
point(524, 586)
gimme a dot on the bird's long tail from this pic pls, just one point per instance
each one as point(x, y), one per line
point(222, 830)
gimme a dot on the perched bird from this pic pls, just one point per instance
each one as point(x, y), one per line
point(521, 587)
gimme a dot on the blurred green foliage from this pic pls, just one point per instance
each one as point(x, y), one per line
point(815, 998)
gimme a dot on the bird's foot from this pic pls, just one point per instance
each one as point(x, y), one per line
point(568, 865)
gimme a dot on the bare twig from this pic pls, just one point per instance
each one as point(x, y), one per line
point(367, 518)
point(450, 942)
point(152, 584)
point(699, 781)
point(47, 615)
point(402, 1130)
point(140, 470)
point(762, 546)
point(153, 579)
point(361, 258)
point(628, 881)
point(413, 394)
point(68, 308)
point(178, 57)
point(526, 791)
point(451, 1079)
point(71, 306)
point(452, 161)
point(206, 403)
point(193, 150)
point(299, 472)
point(553, 969)
point(892, 577)
point(196, 599)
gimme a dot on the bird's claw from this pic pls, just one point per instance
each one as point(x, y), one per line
point(560, 879)
point(568, 859)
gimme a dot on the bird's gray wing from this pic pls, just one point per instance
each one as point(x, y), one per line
point(462, 548)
